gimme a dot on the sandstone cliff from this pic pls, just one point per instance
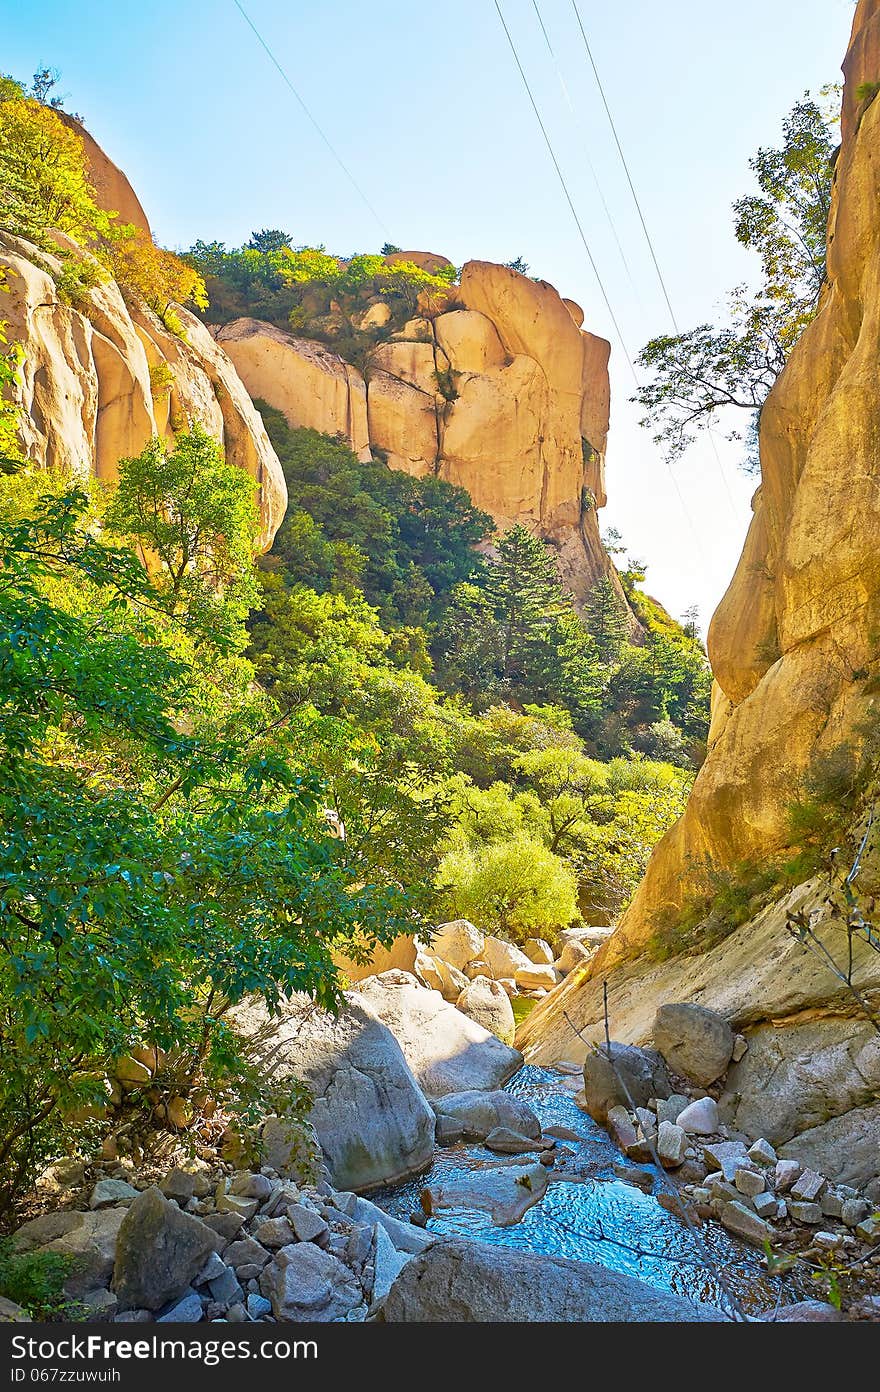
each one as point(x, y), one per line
point(794, 648)
point(98, 381)
point(502, 393)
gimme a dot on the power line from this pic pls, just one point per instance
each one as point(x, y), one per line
point(568, 197)
point(648, 237)
point(625, 166)
point(627, 355)
point(342, 165)
point(590, 166)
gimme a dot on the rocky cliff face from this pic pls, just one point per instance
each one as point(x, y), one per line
point(794, 648)
point(98, 381)
point(503, 394)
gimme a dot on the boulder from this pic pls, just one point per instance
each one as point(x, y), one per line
point(695, 1042)
point(447, 1051)
point(488, 1003)
point(572, 954)
point(371, 1118)
point(504, 959)
point(475, 1114)
point(89, 1238)
point(642, 1070)
point(505, 1193)
point(458, 942)
point(538, 950)
point(700, 1118)
point(440, 976)
point(537, 977)
point(503, 1141)
point(473, 1282)
point(303, 1282)
point(159, 1251)
point(846, 1149)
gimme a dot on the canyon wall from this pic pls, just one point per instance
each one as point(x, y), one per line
point(502, 393)
point(99, 380)
point(795, 648)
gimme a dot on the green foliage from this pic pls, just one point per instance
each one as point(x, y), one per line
point(163, 850)
point(195, 514)
point(729, 899)
point(34, 1280)
point(517, 888)
point(11, 457)
point(712, 368)
point(404, 542)
point(310, 290)
point(514, 634)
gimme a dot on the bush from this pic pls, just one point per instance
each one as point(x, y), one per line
point(516, 888)
point(34, 1280)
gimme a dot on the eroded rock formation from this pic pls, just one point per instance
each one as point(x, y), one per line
point(502, 393)
point(96, 382)
point(794, 648)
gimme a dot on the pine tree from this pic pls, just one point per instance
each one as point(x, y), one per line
point(606, 620)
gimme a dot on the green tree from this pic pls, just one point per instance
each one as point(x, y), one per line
point(607, 620)
point(719, 368)
point(517, 888)
point(195, 514)
point(148, 878)
point(43, 180)
point(269, 240)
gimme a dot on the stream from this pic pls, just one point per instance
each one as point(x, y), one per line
point(599, 1218)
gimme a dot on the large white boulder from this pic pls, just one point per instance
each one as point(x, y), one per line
point(488, 1003)
point(369, 1113)
point(447, 1051)
point(504, 959)
point(458, 942)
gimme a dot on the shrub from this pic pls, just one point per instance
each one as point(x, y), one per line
point(515, 888)
point(34, 1280)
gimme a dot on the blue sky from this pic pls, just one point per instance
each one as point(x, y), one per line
point(426, 108)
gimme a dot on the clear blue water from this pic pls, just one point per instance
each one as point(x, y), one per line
point(598, 1218)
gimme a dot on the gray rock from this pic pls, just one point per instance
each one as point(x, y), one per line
point(671, 1144)
point(258, 1306)
point(762, 1152)
point(472, 1282)
point(308, 1225)
point(869, 1230)
point(808, 1186)
point(700, 1118)
point(245, 1252)
point(225, 1225)
point(88, 1238)
point(98, 1304)
point(226, 1287)
point(158, 1251)
point(237, 1314)
point(134, 1317)
point(505, 1193)
point(831, 1204)
point(488, 1003)
point(745, 1223)
point(635, 1175)
point(695, 1042)
point(642, 1070)
point(276, 1232)
point(447, 1051)
point(304, 1282)
point(184, 1185)
point(186, 1310)
point(785, 1175)
point(765, 1205)
point(805, 1312)
point(808, 1213)
point(475, 1114)
point(251, 1186)
point(405, 1236)
point(388, 1264)
point(670, 1108)
point(112, 1191)
point(506, 1142)
point(844, 1149)
point(371, 1118)
point(799, 1078)
point(237, 1203)
point(727, 1156)
point(749, 1182)
point(214, 1266)
point(853, 1211)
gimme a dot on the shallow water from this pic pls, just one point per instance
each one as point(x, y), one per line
point(601, 1219)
